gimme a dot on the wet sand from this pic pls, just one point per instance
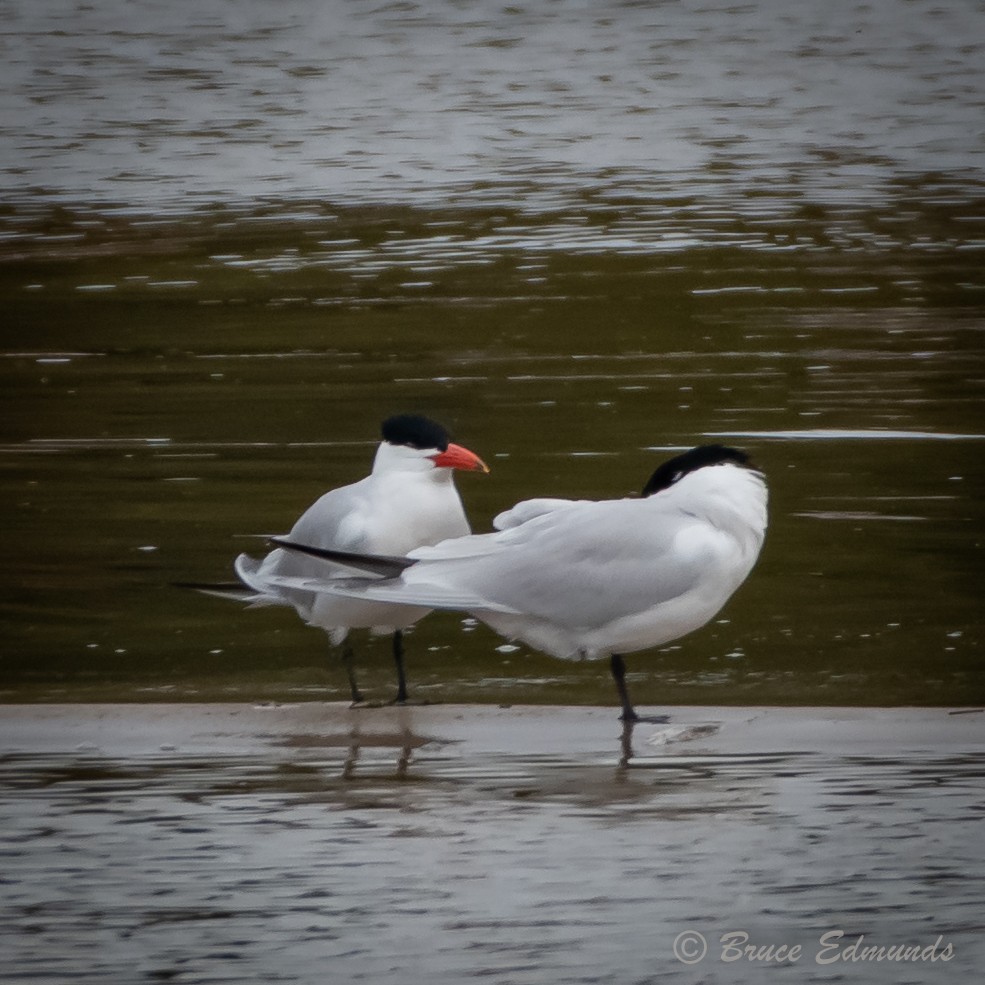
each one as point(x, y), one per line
point(516, 730)
point(313, 842)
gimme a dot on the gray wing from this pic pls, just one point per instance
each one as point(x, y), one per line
point(580, 566)
point(336, 520)
point(596, 563)
point(530, 509)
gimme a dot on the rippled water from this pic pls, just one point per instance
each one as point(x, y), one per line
point(290, 844)
point(234, 237)
point(174, 389)
point(155, 101)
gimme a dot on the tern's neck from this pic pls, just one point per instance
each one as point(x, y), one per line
point(407, 461)
point(728, 496)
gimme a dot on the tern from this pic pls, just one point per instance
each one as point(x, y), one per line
point(408, 500)
point(583, 579)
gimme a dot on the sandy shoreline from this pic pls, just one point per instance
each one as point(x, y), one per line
point(209, 843)
point(240, 728)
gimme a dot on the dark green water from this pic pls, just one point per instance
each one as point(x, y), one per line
point(173, 386)
point(234, 237)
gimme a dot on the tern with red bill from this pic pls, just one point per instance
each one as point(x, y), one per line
point(586, 579)
point(408, 500)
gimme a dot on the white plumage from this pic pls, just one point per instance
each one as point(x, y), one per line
point(408, 500)
point(587, 579)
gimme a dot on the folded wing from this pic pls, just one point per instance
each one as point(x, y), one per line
point(579, 564)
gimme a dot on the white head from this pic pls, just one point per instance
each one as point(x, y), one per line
point(716, 481)
point(412, 443)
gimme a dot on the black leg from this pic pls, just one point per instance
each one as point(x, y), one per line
point(618, 669)
point(626, 743)
point(348, 660)
point(398, 658)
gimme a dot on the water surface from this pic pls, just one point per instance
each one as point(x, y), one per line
point(235, 237)
point(397, 101)
point(225, 843)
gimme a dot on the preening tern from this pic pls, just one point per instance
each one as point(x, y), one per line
point(586, 579)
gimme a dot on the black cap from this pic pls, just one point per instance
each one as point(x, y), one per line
point(697, 458)
point(415, 431)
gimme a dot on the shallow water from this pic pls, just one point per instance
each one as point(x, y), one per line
point(232, 242)
point(530, 846)
point(157, 102)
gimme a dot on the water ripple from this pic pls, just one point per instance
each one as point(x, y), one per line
point(284, 840)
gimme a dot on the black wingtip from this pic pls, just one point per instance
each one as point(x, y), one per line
point(375, 564)
point(208, 586)
point(690, 461)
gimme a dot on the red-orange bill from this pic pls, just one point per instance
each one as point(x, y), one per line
point(457, 457)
